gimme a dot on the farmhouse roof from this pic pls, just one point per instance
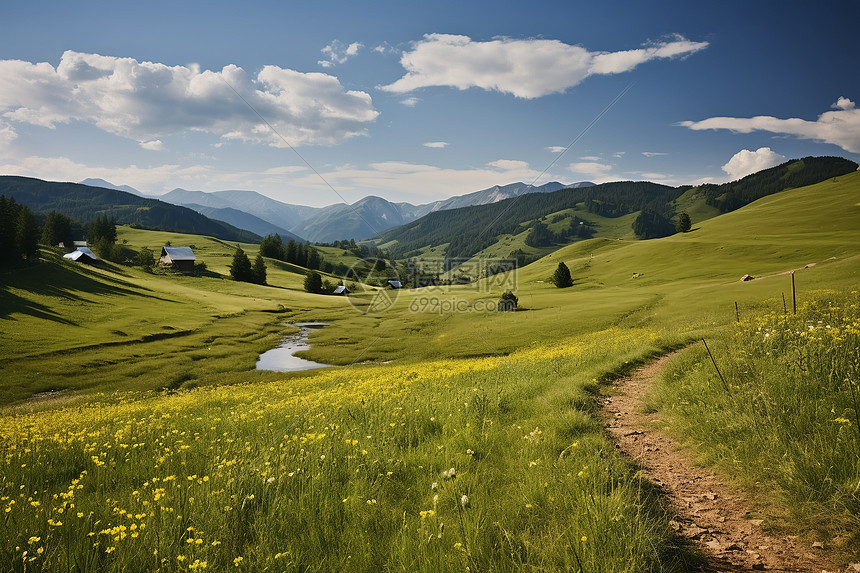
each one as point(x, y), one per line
point(395, 284)
point(341, 289)
point(84, 252)
point(178, 253)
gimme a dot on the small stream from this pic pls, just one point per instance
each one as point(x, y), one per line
point(282, 359)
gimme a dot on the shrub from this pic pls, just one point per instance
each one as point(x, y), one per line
point(145, 258)
point(508, 302)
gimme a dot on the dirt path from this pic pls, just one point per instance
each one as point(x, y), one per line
point(710, 515)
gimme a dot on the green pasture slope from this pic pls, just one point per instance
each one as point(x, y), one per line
point(163, 449)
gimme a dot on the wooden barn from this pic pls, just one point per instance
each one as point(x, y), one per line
point(180, 258)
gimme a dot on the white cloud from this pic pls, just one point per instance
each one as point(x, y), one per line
point(745, 162)
point(840, 127)
point(594, 171)
point(7, 136)
point(152, 145)
point(436, 144)
point(161, 177)
point(653, 153)
point(653, 176)
point(525, 68)
point(146, 101)
point(339, 53)
point(509, 165)
point(410, 101)
point(556, 148)
point(591, 158)
point(843, 103)
point(590, 168)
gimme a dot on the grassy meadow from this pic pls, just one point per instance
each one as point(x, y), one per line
point(136, 434)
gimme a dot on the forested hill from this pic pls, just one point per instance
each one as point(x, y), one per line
point(791, 175)
point(85, 203)
point(471, 229)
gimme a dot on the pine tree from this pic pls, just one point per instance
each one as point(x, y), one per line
point(561, 277)
point(271, 246)
point(259, 270)
point(684, 224)
point(26, 234)
point(313, 282)
point(241, 270)
point(8, 219)
point(57, 229)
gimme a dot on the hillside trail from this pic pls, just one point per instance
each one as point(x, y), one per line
point(710, 515)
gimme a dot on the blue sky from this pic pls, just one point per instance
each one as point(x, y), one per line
point(420, 101)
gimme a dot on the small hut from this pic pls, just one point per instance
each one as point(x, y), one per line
point(341, 290)
point(82, 255)
point(395, 284)
point(180, 258)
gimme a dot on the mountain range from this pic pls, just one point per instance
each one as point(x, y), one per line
point(494, 218)
point(364, 218)
point(84, 203)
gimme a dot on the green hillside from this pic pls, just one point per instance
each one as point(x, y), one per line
point(138, 435)
point(84, 203)
point(610, 207)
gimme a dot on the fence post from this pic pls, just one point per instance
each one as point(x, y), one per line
point(793, 295)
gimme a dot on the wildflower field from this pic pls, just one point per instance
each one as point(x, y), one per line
point(780, 411)
point(487, 464)
point(136, 435)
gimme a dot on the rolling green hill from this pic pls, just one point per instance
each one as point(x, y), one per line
point(85, 203)
point(470, 230)
point(451, 435)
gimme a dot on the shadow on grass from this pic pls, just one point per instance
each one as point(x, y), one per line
point(12, 303)
point(61, 281)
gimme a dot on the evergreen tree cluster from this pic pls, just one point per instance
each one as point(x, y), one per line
point(313, 282)
point(792, 174)
point(19, 233)
point(652, 225)
point(540, 234)
point(294, 252)
point(101, 236)
point(56, 229)
point(241, 268)
point(349, 246)
point(85, 203)
point(522, 258)
point(301, 254)
point(471, 229)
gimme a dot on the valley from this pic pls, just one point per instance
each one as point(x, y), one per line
point(138, 435)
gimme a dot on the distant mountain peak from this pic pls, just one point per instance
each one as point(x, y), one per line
point(96, 182)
